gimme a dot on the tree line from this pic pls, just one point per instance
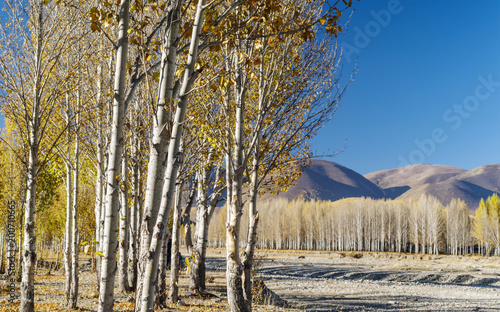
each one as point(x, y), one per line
point(362, 224)
point(121, 116)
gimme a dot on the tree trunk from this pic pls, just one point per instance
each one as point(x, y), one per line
point(68, 229)
point(73, 298)
point(161, 284)
point(157, 162)
point(197, 276)
point(203, 216)
point(134, 211)
point(29, 252)
point(99, 177)
point(252, 232)
point(123, 285)
point(175, 252)
point(186, 219)
point(174, 159)
point(108, 268)
point(234, 271)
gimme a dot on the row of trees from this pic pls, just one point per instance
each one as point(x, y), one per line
point(139, 104)
point(362, 224)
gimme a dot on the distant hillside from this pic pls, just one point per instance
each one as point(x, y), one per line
point(487, 176)
point(442, 182)
point(413, 175)
point(397, 181)
point(326, 180)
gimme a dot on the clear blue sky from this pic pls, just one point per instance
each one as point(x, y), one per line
point(427, 89)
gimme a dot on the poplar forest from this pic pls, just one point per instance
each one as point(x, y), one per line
point(139, 134)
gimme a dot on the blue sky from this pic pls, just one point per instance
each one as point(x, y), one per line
point(427, 88)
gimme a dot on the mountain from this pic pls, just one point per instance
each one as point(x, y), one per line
point(487, 176)
point(442, 182)
point(413, 175)
point(326, 180)
point(397, 181)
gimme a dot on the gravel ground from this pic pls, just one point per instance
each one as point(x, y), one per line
point(382, 282)
point(322, 281)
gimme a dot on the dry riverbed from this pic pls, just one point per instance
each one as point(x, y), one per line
point(321, 281)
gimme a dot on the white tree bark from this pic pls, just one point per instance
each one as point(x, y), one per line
point(205, 209)
point(252, 228)
point(123, 243)
point(161, 283)
point(197, 277)
point(75, 240)
point(110, 242)
point(134, 213)
point(174, 158)
point(157, 155)
point(69, 218)
point(99, 175)
point(173, 294)
point(29, 243)
point(234, 270)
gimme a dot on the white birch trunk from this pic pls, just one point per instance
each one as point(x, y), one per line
point(175, 252)
point(252, 228)
point(99, 177)
point(68, 228)
point(110, 246)
point(73, 298)
point(156, 164)
point(197, 276)
point(29, 251)
point(123, 244)
point(234, 270)
point(161, 283)
point(174, 159)
point(134, 214)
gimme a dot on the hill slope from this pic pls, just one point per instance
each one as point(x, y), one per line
point(442, 182)
point(326, 180)
point(413, 175)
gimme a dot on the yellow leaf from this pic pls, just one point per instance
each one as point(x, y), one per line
point(253, 18)
point(94, 27)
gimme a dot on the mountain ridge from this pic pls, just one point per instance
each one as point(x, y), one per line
point(327, 180)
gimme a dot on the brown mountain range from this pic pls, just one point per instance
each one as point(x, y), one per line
point(326, 180)
point(442, 182)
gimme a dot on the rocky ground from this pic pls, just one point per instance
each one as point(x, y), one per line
point(320, 281)
point(383, 282)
